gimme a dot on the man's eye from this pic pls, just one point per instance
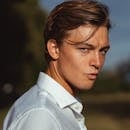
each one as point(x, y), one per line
point(103, 52)
point(83, 49)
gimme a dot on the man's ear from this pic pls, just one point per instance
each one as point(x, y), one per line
point(53, 49)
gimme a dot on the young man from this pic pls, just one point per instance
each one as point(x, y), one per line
point(76, 39)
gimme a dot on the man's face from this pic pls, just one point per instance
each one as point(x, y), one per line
point(80, 63)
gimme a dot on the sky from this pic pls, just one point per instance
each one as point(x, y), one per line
point(119, 34)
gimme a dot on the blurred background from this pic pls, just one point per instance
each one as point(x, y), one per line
point(107, 105)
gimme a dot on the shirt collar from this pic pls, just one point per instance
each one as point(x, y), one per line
point(62, 97)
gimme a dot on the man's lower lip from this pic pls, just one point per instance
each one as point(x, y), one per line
point(92, 76)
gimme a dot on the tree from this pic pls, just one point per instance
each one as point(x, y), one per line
point(123, 72)
point(21, 55)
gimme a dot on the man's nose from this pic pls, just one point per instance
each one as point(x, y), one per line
point(96, 61)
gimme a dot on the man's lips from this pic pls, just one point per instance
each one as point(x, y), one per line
point(92, 76)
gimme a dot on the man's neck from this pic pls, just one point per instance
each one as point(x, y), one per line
point(52, 71)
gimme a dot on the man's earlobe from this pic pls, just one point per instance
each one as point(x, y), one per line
point(53, 49)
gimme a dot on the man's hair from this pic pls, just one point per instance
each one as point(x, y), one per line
point(72, 14)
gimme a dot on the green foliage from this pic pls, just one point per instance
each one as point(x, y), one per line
point(112, 81)
point(123, 72)
point(22, 45)
point(107, 82)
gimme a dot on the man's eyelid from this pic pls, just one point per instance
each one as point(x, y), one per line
point(105, 48)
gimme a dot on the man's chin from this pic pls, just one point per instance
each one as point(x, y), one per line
point(88, 86)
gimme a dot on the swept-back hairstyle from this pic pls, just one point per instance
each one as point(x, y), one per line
point(72, 14)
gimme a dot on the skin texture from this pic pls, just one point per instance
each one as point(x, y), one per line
point(77, 62)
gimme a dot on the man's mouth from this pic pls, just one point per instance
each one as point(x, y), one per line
point(92, 76)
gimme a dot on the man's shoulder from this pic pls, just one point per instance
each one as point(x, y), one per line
point(33, 99)
point(34, 118)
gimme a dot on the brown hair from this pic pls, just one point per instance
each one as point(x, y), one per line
point(72, 14)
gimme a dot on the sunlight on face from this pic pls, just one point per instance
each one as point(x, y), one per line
point(82, 56)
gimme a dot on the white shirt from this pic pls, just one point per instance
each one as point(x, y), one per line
point(46, 106)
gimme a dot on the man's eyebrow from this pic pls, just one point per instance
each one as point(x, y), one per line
point(91, 45)
point(86, 44)
point(79, 43)
point(105, 47)
point(82, 43)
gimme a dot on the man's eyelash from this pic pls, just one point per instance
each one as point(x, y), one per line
point(104, 51)
point(83, 49)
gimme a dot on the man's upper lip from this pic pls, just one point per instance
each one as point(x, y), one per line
point(93, 73)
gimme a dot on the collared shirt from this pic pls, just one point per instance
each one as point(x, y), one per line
point(46, 106)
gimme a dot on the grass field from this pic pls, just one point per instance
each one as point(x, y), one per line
point(102, 112)
point(101, 121)
point(108, 111)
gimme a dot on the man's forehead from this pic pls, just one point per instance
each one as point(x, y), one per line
point(86, 35)
point(80, 34)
